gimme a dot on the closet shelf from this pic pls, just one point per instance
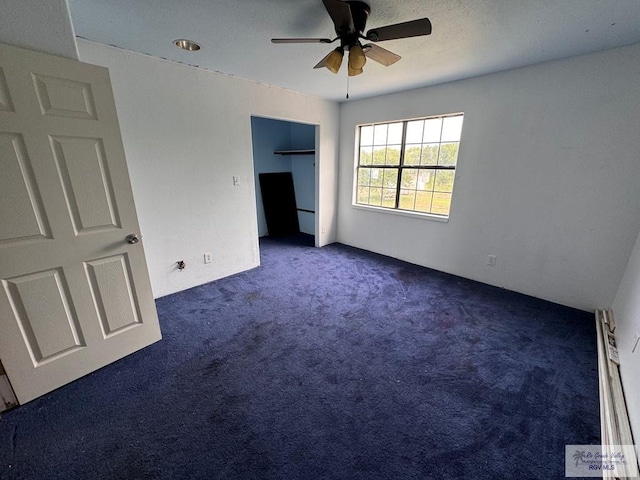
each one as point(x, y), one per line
point(295, 152)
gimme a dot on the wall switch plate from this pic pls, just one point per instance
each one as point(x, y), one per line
point(634, 342)
point(491, 260)
point(208, 257)
point(236, 181)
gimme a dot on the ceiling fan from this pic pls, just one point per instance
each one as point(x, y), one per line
point(350, 18)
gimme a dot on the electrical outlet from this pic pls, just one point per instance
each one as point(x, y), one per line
point(634, 343)
point(323, 229)
point(491, 260)
point(208, 257)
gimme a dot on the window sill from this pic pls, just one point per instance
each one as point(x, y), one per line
point(404, 213)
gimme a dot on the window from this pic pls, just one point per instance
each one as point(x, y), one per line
point(409, 165)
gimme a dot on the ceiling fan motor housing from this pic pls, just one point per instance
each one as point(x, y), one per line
point(360, 13)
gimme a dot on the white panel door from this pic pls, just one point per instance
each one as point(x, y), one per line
point(74, 294)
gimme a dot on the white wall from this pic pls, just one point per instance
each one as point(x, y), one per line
point(44, 26)
point(626, 309)
point(186, 133)
point(547, 178)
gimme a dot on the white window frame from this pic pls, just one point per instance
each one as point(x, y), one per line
point(401, 166)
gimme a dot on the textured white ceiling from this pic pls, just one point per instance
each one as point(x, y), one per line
point(470, 37)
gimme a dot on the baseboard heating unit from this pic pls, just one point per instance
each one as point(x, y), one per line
point(614, 420)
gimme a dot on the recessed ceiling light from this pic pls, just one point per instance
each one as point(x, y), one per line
point(188, 45)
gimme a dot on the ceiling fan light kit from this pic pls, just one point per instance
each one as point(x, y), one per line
point(350, 18)
point(353, 71)
point(334, 60)
point(357, 59)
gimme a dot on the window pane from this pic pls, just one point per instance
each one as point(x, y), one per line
point(451, 129)
point(366, 155)
point(389, 197)
point(363, 195)
point(414, 131)
point(364, 176)
point(429, 154)
point(407, 199)
point(441, 203)
point(395, 133)
point(432, 129)
point(390, 178)
point(400, 164)
point(393, 155)
point(376, 177)
point(379, 154)
point(444, 181)
point(375, 196)
point(412, 155)
point(409, 178)
point(425, 180)
point(423, 202)
point(366, 135)
point(448, 154)
point(380, 135)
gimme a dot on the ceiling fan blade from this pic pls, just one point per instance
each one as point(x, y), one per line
point(301, 40)
point(340, 13)
point(323, 63)
point(380, 55)
point(414, 28)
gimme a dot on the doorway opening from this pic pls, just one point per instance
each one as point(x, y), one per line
point(285, 174)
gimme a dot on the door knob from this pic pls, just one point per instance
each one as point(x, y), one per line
point(133, 238)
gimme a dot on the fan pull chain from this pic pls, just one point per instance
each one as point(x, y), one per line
point(347, 87)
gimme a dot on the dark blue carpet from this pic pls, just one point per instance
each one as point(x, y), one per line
point(329, 363)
